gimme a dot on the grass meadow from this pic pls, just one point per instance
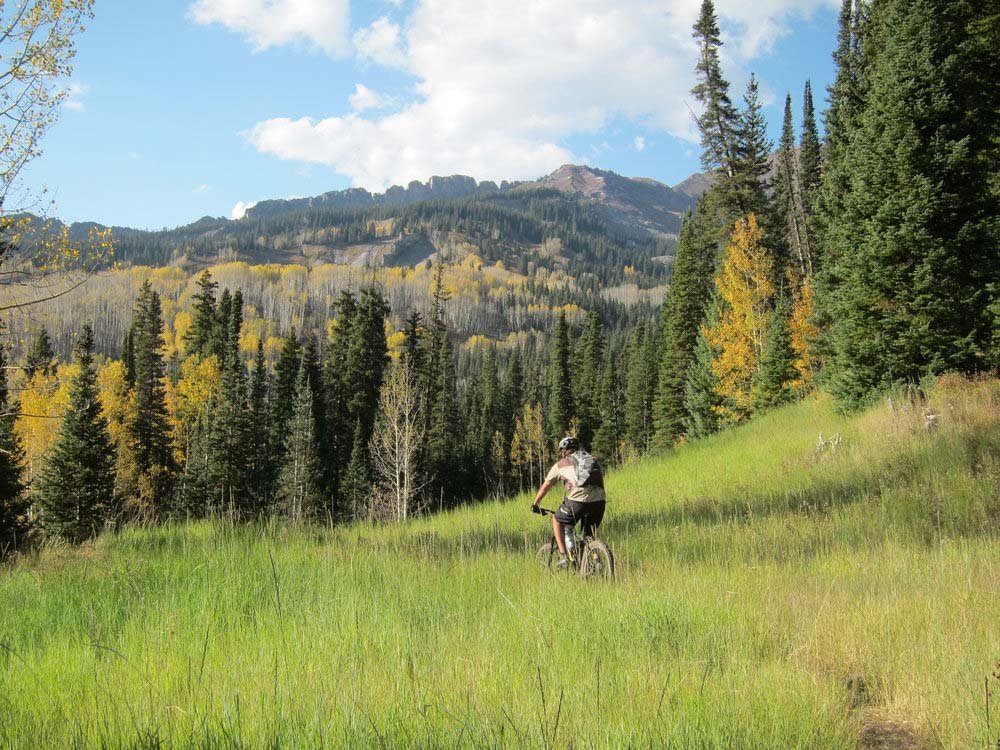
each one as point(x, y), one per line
point(769, 595)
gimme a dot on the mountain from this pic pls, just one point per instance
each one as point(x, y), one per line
point(638, 206)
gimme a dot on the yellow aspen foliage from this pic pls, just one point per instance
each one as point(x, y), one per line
point(527, 448)
point(43, 403)
point(199, 384)
point(118, 407)
point(803, 332)
point(744, 290)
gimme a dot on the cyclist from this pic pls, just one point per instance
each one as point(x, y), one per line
point(584, 499)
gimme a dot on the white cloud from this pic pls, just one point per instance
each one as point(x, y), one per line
point(501, 84)
point(364, 98)
point(380, 44)
point(74, 97)
point(240, 209)
point(639, 143)
point(323, 24)
point(133, 154)
point(202, 188)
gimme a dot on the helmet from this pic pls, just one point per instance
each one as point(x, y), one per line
point(569, 443)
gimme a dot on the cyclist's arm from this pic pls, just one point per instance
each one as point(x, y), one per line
point(542, 492)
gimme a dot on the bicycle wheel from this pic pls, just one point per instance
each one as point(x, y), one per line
point(547, 555)
point(598, 562)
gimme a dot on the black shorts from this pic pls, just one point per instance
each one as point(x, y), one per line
point(589, 515)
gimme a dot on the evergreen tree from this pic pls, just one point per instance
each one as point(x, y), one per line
point(609, 435)
point(788, 235)
point(299, 483)
point(682, 315)
point(285, 377)
point(223, 319)
point(809, 149)
point(777, 374)
point(260, 469)
point(640, 387)
point(128, 355)
point(753, 152)
point(199, 339)
point(560, 400)
point(719, 121)
point(76, 484)
point(587, 391)
point(914, 246)
point(41, 358)
point(367, 359)
point(356, 485)
point(150, 429)
point(340, 425)
point(701, 399)
point(14, 525)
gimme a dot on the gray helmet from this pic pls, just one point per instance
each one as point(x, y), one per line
point(569, 443)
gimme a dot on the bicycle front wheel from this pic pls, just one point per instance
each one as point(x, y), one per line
point(598, 562)
point(547, 555)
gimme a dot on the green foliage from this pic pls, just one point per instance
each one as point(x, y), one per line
point(560, 381)
point(41, 358)
point(200, 338)
point(913, 249)
point(14, 525)
point(640, 387)
point(719, 122)
point(810, 157)
point(75, 487)
point(299, 493)
point(753, 151)
point(775, 378)
point(591, 353)
point(150, 429)
point(701, 399)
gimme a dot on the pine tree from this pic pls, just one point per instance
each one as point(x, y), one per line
point(128, 355)
point(683, 313)
point(285, 377)
point(914, 247)
point(339, 423)
point(356, 485)
point(789, 236)
point(76, 484)
point(199, 339)
point(41, 358)
point(299, 483)
point(14, 525)
point(223, 318)
point(640, 387)
point(150, 429)
point(587, 377)
point(560, 396)
point(777, 375)
point(260, 469)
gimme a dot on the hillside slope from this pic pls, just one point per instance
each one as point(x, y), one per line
point(771, 595)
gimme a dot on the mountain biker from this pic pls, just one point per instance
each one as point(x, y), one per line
point(584, 499)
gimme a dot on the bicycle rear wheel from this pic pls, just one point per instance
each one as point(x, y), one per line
point(598, 562)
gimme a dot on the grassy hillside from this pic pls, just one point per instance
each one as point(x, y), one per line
point(769, 596)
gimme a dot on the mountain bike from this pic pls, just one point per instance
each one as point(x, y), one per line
point(588, 555)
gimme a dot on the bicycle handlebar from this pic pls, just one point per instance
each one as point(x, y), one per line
point(542, 511)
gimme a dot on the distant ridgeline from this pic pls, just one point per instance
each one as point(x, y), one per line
point(599, 228)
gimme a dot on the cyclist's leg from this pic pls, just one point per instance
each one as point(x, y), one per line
point(557, 532)
point(592, 518)
point(564, 518)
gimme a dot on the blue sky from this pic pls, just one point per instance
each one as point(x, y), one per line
point(185, 109)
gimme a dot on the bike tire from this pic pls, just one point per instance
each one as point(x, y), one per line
point(598, 562)
point(547, 555)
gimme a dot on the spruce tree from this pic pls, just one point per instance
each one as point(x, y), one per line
point(587, 378)
point(701, 399)
point(299, 483)
point(339, 422)
point(810, 156)
point(777, 374)
point(223, 319)
point(199, 339)
point(41, 357)
point(14, 525)
point(787, 223)
point(285, 377)
point(609, 435)
point(128, 355)
point(150, 429)
point(914, 246)
point(719, 121)
point(682, 315)
point(356, 485)
point(75, 487)
point(560, 396)
point(260, 468)
point(640, 387)
point(753, 151)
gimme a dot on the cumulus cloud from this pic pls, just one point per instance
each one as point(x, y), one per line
point(364, 98)
point(380, 43)
point(323, 24)
point(501, 84)
point(639, 143)
point(74, 97)
point(240, 209)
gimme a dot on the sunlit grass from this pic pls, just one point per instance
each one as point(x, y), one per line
point(768, 596)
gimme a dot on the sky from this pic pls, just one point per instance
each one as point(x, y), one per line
point(178, 110)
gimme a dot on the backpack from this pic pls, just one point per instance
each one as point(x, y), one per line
point(588, 471)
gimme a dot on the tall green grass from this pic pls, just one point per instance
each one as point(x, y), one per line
point(769, 596)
